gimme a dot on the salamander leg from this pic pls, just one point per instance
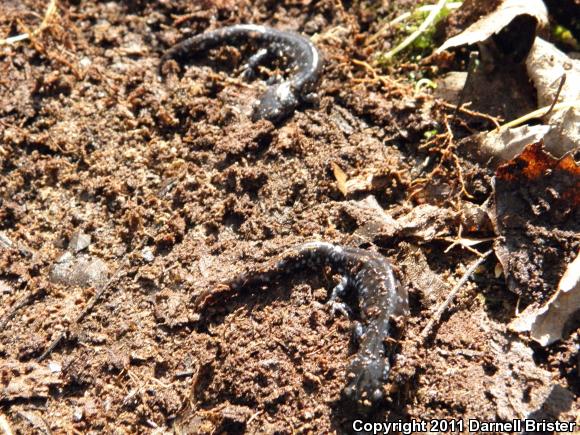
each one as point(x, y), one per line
point(337, 292)
point(251, 66)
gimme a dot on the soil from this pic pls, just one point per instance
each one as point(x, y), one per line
point(125, 195)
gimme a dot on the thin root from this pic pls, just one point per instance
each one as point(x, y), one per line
point(475, 114)
point(437, 316)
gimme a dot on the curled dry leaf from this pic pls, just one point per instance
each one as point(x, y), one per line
point(424, 222)
point(501, 145)
point(371, 179)
point(547, 324)
point(546, 66)
point(537, 215)
point(497, 20)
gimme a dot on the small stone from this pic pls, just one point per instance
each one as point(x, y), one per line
point(85, 62)
point(54, 367)
point(78, 415)
point(83, 271)
point(79, 241)
point(147, 254)
point(65, 258)
point(5, 288)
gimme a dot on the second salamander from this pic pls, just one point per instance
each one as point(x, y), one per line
point(381, 299)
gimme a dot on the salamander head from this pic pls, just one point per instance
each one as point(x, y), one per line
point(277, 102)
point(367, 376)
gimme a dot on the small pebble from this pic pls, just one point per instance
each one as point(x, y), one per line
point(147, 254)
point(79, 241)
point(77, 415)
point(54, 367)
point(83, 271)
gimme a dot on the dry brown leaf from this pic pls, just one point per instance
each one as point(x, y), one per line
point(546, 65)
point(497, 20)
point(504, 144)
point(537, 204)
point(546, 324)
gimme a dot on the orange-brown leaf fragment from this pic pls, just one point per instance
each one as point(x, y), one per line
point(534, 165)
point(537, 215)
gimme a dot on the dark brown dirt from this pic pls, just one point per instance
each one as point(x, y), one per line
point(180, 192)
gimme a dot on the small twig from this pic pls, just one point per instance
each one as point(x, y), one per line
point(437, 316)
point(24, 301)
point(473, 113)
point(560, 86)
point(424, 26)
point(253, 417)
point(539, 113)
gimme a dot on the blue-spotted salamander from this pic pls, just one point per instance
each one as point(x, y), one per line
point(280, 99)
point(381, 300)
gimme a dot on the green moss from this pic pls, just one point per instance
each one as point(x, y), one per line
point(430, 133)
point(424, 44)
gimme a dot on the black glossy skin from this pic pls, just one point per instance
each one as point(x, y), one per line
point(380, 299)
point(281, 99)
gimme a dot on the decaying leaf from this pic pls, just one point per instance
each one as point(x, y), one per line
point(537, 215)
point(497, 20)
point(535, 165)
point(371, 179)
point(546, 324)
point(423, 223)
point(501, 145)
point(546, 66)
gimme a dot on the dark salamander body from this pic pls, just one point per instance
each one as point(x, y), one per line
point(282, 98)
point(380, 300)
